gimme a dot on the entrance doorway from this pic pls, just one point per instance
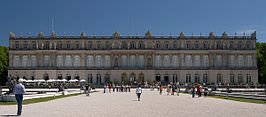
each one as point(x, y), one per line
point(166, 78)
point(98, 79)
point(158, 77)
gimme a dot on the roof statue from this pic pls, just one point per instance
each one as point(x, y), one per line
point(12, 35)
point(83, 34)
point(253, 35)
point(116, 34)
point(211, 35)
point(224, 35)
point(148, 34)
point(53, 34)
point(181, 35)
point(40, 34)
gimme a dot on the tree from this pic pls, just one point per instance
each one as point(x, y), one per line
point(261, 62)
point(3, 64)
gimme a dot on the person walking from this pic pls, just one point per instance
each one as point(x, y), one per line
point(19, 90)
point(205, 89)
point(161, 89)
point(138, 92)
point(193, 91)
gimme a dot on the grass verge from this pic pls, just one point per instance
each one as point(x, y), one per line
point(37, 100)
point(240, 99)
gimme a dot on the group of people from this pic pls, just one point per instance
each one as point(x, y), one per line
point(116, 88)
point(198, 89)
point(171, 89)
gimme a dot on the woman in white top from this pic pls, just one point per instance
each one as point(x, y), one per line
point(138, 92)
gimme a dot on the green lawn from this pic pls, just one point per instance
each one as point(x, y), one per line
point(36, 100)
point(241, 99)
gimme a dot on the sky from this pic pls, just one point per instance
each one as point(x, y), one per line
point(161, 17)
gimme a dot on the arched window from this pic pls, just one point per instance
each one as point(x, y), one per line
point(60, 61)
point(248, 45)
point(232, 61)
point(157, 61)
point(141, 61)
point(107, 45)
point(249, 61)
point(239, 45)
point(90, 61)
point(166, 61)
point(205, 45)
point(188, 61)
point(124, 61)
point(133, 45)
point(107, 61)
point(68, 61)
point(98, 45)
point(188, 45)
point(76, 61)
point(174, 45)
point(46, 61)
point(33, 61)
point(132, 61)
point(197, 61)
point(205, 61)
point(231, 45)
point(124, 45)
point(90, 45)
point(166, 45)
point(141, 45)
point(158, 45)
point(197, 45)
point(98, 61)
point(240, 61)
point(25, 61)
point(16, 62)
point(116, 45)
point(218, 61)
point(174, 61)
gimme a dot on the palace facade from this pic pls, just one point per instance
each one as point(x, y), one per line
point(100, 59)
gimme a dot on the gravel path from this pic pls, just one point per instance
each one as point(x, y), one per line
point(126, 105)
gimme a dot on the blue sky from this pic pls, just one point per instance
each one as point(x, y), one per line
point(132, 17)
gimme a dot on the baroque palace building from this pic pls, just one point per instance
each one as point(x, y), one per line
point(100, 59)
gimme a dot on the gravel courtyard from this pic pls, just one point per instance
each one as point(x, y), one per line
point(121, 104)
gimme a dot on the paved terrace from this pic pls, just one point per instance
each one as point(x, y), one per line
point(120, 104)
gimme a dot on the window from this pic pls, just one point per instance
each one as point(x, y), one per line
point(175, 78)
point(98, 79)
point(205, 45)
point(141, 45)
point(232, 78)
point(133, 45)
point(98, 45)
point(174, 45)
point(68, 45)
point(240, 78)
point(90, 45)
point(205, 78)
point(60, 45)
point(197, 44)
point(33, 45)
point(107, 78)
point(124, 45)
point(107, 45)
point(150, 45)
point(248, 45)
point(188, 45)
point(197, 78)
point(46, 61)
point(231, 45)
point(17, 45)
point(248, 80)
point(76, 61)
point(166, 45)
point(219, 78)
point(77, 45)
point(59, 61)
point(25, 45)
point(239, 45)
point(46, 45)
point(89, 78)
point(158, 45)
point(188, 78)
